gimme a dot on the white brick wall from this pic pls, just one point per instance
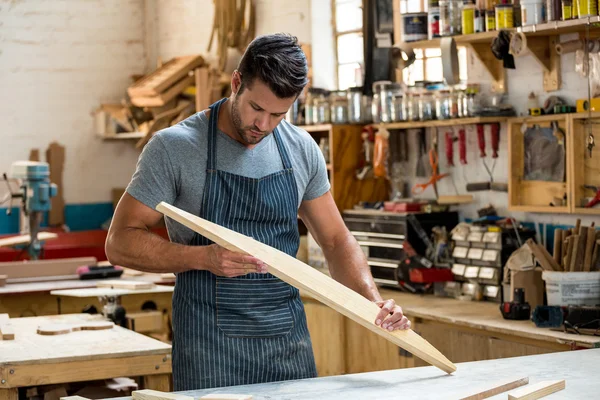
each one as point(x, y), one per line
point(58, 61)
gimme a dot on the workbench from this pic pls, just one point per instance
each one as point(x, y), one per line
point(462, 330)
point(32, 359)
point(35, 298)
point(576, 368)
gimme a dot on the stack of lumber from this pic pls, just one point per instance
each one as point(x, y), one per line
point(162, 98)
point(575, 250)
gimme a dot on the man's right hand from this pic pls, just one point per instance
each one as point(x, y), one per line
point(223, 262)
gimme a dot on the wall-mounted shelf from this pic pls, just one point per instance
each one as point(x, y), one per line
point(541, 41)
point(585, 170)
point(442, 123)
point(123, 136)
point(581, 169)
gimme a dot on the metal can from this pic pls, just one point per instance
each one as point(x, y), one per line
point(434, 22)
point(479, 21)
point(553, 10)
point(567, 9)
point(586, 8)
point(468, 19)
point(490, 20)
point(415, 27)
point(504, 16)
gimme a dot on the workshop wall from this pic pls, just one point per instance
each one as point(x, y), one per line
point(58, 62)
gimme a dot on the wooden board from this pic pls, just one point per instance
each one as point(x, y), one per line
point(497, 389)
point(61, 329)
point(158, 81)
point(30, 348)
point(162, 99)
point(119, 284)
point(40, 270)
point(537, 391)
point(304, 277)
point(24, 239)
point(147, 394)
point(542, 257)
point(55, 157)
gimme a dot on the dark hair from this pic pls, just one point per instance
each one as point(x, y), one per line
point(278, 61)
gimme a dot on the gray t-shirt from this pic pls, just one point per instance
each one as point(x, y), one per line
point(172, 166)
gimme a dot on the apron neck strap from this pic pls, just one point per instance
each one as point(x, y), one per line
point(212, 139)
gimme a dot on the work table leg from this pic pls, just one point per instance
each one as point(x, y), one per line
point(9, 394)
point(160, 382)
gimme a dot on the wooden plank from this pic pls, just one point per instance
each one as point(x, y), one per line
point(573, 266)
point(162, 99)
point(61, 329)
point(160, 382)
point(55, 156)
point(499, 388)
point(462, 199)
point(7, 332)
point(557, 246)
point(158, 81)
point(569, 253)
point(579, 256)
point(589, 248)
point(43, 269)
point(24, 239)
point(539, 252)
point(304, 277)
point(122, 284)
point(149, 394)
point(538, 390)
point(595, 256)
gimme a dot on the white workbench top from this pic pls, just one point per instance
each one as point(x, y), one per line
point(579, 369)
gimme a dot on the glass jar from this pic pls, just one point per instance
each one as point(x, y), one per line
point(409, 111)
point(386, 97)
point(376, 101)
point(450, 17)
point(397, 112)
point(367, 117)
point(461, 100)
point(454, 105)
point(322, 112)
point(339, 107)
point(426, 107)
point(443, 105)
point(355, 105)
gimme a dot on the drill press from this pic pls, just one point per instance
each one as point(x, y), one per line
point(36, 192)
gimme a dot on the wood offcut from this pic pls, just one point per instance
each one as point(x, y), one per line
point(537, 390)
point(148, 394)
point(499, 388)
point(317, 284)
point(61, 329)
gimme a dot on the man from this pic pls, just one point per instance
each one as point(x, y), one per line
point(242, 166)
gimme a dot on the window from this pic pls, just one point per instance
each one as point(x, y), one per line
point(428, 66)
point(350, 57)
point(349, 42)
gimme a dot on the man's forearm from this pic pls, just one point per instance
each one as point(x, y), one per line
point(143, 250)
point(348, 265)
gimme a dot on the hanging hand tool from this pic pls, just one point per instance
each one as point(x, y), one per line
point(381, 153)
point(495, 143)
point(435, 177)
point(450, 155)
point(590, 144)
point(596, 198)
point(462, 146)
point(449, 149)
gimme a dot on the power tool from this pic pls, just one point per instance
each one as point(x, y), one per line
point(517, 309)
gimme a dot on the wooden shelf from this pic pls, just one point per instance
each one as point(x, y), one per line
point(316, 128)
point(540, 209)
point(552, 28)
point(442, 122)
point(586, 211)
point(123, 136)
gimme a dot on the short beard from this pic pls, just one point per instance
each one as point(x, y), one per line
point(237, 124)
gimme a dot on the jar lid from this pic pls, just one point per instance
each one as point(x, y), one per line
point(355, 89)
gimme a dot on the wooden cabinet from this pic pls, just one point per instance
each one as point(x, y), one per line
point(327, 333)
point(342, 346)
point(345, 149)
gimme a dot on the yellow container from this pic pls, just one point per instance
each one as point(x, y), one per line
point(504, 16)
point(585, 8)
point(468, 20)
point(490, 21)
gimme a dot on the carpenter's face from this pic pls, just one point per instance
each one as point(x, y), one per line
point(256, 110)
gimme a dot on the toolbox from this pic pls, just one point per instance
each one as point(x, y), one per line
point(383, 235)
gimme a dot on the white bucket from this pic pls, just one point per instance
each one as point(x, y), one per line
point(572, 288)
point(532, 12)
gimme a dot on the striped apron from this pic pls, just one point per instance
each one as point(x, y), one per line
point(249, 329)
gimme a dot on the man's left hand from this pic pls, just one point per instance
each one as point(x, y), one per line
point(390, 317)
